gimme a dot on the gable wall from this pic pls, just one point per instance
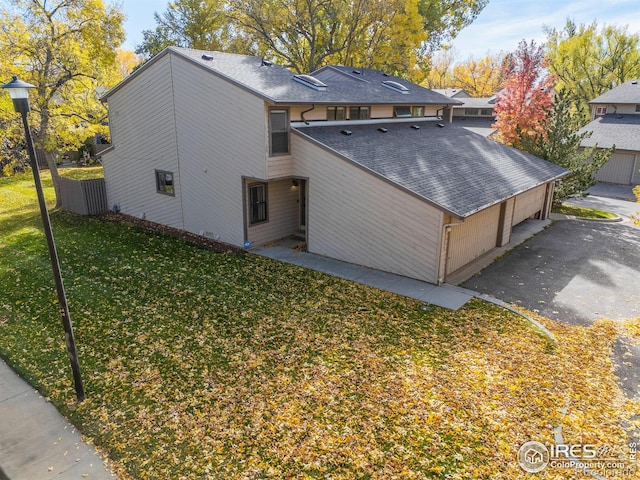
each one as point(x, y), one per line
point(222, 136)
point(356, 217)
point(143, 134)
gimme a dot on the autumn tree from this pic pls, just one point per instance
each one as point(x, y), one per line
point(67, 49)
point(395, 35)
point(558, 140)
point(587, 61)
point(480, 78)
point(440, 71)
point(527, 95)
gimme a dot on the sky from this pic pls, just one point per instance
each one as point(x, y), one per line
point(501, 25)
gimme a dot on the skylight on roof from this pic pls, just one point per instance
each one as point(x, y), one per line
point(310, 81)
point(398, 87)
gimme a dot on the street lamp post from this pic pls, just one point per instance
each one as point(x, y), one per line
point(19, 92)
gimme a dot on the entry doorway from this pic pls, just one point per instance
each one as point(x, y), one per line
point(302, 205)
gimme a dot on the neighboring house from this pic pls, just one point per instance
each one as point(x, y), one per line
point(475, 113)
point(616, 121)
point(360, 163)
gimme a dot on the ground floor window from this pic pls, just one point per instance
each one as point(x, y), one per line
point(164, 182)
point(257, 203)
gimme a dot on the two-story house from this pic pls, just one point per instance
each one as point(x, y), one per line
point(615, 120)
point(359, 162)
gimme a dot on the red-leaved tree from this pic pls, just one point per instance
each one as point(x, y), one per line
point(527, 96)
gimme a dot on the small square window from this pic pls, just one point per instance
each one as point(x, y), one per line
point(402, 112)
point(257, 203)
point(601, 110)
point(637, 108)
point(164, 183)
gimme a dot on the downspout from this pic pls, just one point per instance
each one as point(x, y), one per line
point(306, 122)
point(446, 229)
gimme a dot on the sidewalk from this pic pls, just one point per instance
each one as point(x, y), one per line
point(447, 296)
point(36, 442)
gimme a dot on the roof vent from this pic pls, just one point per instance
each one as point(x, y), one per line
point(383, 130)
point(357, 72)
point(310, 81)
point(441, 125)
point(398, 87)
point(207, 57)
point(415, 127)
point(266, 63)
point(634, 82)
point(345, 132)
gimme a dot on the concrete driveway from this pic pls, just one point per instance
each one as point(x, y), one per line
point(574, 271)
point(577, 272)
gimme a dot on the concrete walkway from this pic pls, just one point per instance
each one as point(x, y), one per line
point(447, 296)
point(36, 442)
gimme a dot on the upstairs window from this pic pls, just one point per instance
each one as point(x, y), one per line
point(402, 112)
point(257, 203)
point(601, 110)
point(336, 113)
point(164, 183)
point(637, 108)
point(417, 111)
point(359, 113)
point(278, 132)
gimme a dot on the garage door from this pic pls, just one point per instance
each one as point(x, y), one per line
point(528, 204)
point(619, 169)
point(477, 235)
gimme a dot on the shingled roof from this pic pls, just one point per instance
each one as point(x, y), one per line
point(278, 85)
point(623, 131)
point(627, 92)
point(449, 167)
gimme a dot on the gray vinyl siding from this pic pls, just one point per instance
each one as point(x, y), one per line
point(143, 134)
point(282, 213)
point(359, 218)
point(222, 137)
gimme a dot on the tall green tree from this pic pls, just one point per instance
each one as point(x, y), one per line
point(67, 49)
point(444, 19)
point(558, 141)
point(200, 24)
point(588, 61)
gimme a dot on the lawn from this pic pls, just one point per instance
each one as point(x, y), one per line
point(584, 212)
point(210, 365)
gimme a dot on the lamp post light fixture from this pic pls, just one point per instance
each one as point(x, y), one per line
point(19, 92)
